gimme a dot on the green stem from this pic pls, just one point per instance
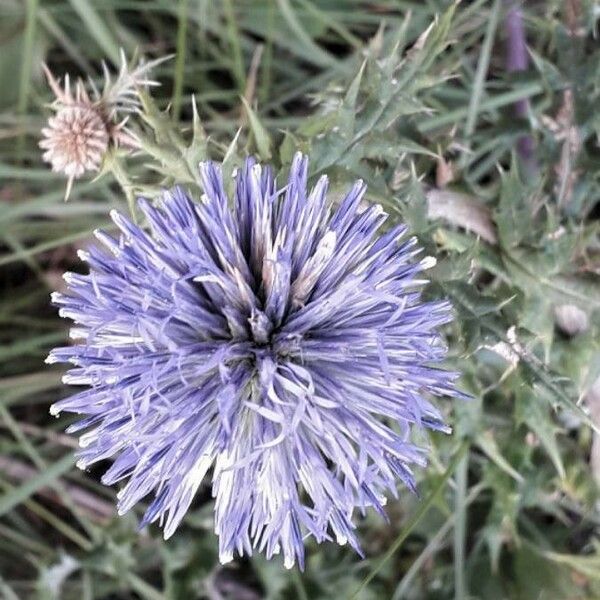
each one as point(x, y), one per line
point(299, 585)
point(460, 510)
point(415, 519)
point(31, 10)
point(180, 60)
point(233, 33)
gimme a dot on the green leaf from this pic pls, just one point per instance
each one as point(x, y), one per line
point(487, 442)
point(414, 205)
point(530, 410)
point(538, 577)
point(530, 272)
point(477, 304)
point(586, 565)
point(513, 214)
point(261, 135)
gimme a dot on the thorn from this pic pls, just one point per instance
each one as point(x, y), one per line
point(94, 88)
point(69, 187)
point(123, 59)
point(106, 74)
point(194, 109)
point(52, 82)
point(68, 97)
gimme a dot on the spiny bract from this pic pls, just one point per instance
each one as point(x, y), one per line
point(281, 343)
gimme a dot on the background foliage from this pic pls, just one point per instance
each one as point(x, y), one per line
point(508, 506)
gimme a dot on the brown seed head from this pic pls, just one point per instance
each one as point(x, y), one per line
point(75, 140)
point(82, 129)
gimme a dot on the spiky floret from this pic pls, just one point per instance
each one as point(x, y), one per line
point(281, 342)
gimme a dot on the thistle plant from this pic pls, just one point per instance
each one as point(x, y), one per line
point(86, 123)
point(259, 326)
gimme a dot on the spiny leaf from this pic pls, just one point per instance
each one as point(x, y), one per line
point(261, 135)
point(530, 411)
point(487, 442)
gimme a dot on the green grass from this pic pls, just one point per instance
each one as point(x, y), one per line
point(517, 516)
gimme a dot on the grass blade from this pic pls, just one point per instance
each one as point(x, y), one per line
point(181, 55)
point(16, 495)
point(415, 519)
point(317, 55)
point(233, 33)
point(460, 528)
point(26, 65)
point(98, 29)
point(480, 75)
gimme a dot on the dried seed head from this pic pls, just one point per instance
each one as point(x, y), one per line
point(75, 140)
point(82, 129)
point(77, 136)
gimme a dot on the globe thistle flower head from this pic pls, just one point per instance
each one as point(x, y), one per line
point(80, 132)
point(279, 343)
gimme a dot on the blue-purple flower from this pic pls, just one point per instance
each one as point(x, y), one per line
point(278, 342)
